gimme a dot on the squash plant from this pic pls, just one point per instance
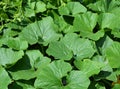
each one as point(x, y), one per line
point(59, 44)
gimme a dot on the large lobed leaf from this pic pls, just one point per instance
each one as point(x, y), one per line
point(72, 8)
point(86, 23)
point(41, 31)
point(51, 75)
point(9, 57)
point(113, 55)
point(5, 79)
point(89, 67)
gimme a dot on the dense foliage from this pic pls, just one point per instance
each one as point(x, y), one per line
point(59, 44)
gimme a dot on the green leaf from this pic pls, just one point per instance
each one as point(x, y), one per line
point(31, 4)
point(77, 80)
point(89, 67)
point(23, 74)
point(112, 77)
point(114, 7)
point(79, 46)
point(13, 26)
point(115, 10)
point(9, 57)
point(33, 55)
point(108, 20)
point(62, 25)
point(99, 6)
point(5, 79)
point(30, 33)
point(41, 62)
point(47, 30)
point(50, 76)
point(9, 33)
point(17, 44)
point(40, 7)
point(29, 12)
point(64, 10)
point(41, 31)
point(59, 51)
point(72, 8)
point(113, 55)
point(106, 43)
point(37, 59)
point(76, 7)
point(85, 23)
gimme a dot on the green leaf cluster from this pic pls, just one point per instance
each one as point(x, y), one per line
point(59, 44)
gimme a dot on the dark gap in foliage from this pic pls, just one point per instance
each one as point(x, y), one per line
point(68, 19)
point(10, 75)
point(91, 78)
point(32, 19)
point(101, 84)
point(29, 82)
point(24, 22)
point(1, 32)
point(107, 83)
point(100, 43)
point(95, 54)
point(10, 14)
point(116, 39)
point(60, 38)
point(22, 64)
point(101, 78)
point(51, 57)
point(86, 2)
point(43, 50)
point(78, 32)
point(24, 3)
point(40, 40)
point(39, 16)
point(102, 74)
point(55, 3)
point(62, 33)
point(96, 29)
point(14, 85)
point(34, 47)
point(92, 85)
point(52, 11)
point(64, 82)
point(115, 69)
point(101, 81)
point(4, 46)
point(108, 3)
point(108, 32)
point(15, 36)
point(71, 61)
point(2, 22)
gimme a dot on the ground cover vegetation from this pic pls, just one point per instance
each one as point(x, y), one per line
point(59, 44)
